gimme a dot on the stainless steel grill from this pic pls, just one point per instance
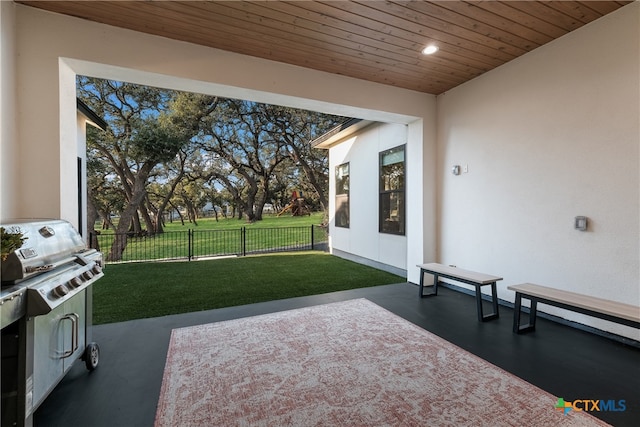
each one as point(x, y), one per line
point(45, 313)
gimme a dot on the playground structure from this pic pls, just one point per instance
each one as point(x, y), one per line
point(297, 206)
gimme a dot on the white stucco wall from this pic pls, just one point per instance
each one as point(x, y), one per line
point(547, 137)
point(8, 129)
point(362, 238)
point(54, 48)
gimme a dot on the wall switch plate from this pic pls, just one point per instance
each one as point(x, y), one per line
point(580, 223)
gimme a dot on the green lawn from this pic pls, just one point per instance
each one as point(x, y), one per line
point(141, 290)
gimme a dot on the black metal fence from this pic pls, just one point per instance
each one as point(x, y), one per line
point(194, 244)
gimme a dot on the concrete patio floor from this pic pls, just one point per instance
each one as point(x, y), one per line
point(564, 361)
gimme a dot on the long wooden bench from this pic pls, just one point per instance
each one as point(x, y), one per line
point(604, 309)
point(465, 276)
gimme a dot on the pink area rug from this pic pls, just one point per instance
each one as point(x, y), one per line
point(350, 363)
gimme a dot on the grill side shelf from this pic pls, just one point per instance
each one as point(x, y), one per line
point(12, 306)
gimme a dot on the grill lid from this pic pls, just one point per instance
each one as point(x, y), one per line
point(48, 243)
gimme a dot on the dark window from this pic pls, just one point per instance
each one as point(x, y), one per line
point(342, 195)
point(392, 205)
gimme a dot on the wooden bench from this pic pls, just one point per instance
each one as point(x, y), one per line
point(604, 309)
point(465, 276)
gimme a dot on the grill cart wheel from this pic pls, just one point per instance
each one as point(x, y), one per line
point(91, 356)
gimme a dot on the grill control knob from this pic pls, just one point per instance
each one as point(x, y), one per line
point(96, 269)
point(87, 275)
point(60, 291)
point(75, 282)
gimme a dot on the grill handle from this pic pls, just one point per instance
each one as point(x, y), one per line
point(48, 267)
point(74, 319)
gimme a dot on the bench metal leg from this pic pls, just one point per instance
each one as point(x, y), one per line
point(517, 310)
point(434, 291)
point(494, 301)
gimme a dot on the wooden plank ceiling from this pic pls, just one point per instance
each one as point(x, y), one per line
point(380, 41)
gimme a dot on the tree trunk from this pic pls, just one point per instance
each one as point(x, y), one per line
point(250, 199)
point(129, 214)
point(146, 217)
point(157, 222)
point(106, 220)
point(92, 213)
point(165, 200)
point(136, 227)
point(191, 210)
point(313, 180)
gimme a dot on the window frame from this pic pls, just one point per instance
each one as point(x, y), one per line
point(386, 195)
point(342, 199)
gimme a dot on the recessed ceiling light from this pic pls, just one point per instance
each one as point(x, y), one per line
point(429, 50)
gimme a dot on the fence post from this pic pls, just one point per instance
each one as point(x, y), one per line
point(243, 237)
point(189, 245)
point(312, 247)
